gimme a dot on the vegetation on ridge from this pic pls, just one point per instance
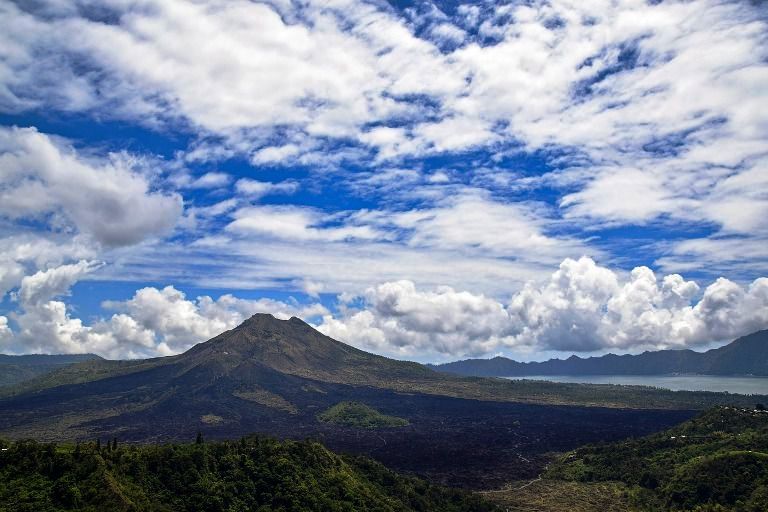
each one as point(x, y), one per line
point(715, 461)
point(255, 474)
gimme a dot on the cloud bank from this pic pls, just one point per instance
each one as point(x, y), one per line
point(154, 322)
point(582, 308)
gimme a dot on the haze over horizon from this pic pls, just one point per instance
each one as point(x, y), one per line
point(426, 181)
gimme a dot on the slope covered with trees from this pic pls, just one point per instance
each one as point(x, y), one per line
point(17, 369)
point(715, 461)
point(253, 474)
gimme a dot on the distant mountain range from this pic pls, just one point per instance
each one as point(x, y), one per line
point(16, 369)
point(747, 355)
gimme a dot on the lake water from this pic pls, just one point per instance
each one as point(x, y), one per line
point(742, 385)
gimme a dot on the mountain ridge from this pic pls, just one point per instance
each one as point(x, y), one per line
point(747, 355)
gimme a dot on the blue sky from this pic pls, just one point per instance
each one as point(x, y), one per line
point(423, 180)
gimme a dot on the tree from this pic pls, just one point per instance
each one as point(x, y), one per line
point(199, 439)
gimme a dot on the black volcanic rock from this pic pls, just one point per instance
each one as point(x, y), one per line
point(747, 355)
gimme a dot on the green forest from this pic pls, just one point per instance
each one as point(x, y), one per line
point(253, 474)
point(715, 461)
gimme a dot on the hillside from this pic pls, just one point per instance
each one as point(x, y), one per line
point(717, 458)
point(17, 369)
point(747, 355)
point(715, 461)
point(258, 474)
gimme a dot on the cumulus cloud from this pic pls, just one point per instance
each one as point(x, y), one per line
point(22, 254)
point(105, 198)
point(45, 285)
point(402, 320)
point(583, 307)
point(657, 107)
point(5, 330)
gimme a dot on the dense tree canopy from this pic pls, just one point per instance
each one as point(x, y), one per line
point(253, 474)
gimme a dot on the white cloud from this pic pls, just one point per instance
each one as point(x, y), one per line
point(255, 189)
point(321, 68)
point(312, 288)
point(49, 328)
point(297, 223)
point(211, 180)
point(5, 331)
point(582, 307)
point(22, 254)
point(275, 154)
point(470, 221)
point(45, 285)
point(628, 195)
point(662, 101)
point(105, 198)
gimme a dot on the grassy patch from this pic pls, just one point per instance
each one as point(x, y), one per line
point(267, 398)
point(557, 495)
point(211, 419)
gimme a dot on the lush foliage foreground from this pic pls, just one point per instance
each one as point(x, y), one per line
point(253, 474)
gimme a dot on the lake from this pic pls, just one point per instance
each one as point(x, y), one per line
point(742, 385)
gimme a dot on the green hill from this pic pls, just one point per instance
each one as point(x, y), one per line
point(359, 415)
point(255, 474)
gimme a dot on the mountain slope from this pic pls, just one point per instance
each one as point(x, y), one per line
point(747, 355)
point(16, 369)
